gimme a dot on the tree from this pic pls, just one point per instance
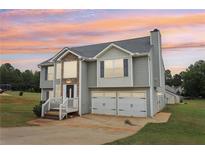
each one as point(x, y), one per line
point(6, 73)
point(26, 81)
point(177, 80)
point(194, 80)
point(168, 78)
point(36, 79)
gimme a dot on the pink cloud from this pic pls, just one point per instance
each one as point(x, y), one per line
point(22, 61)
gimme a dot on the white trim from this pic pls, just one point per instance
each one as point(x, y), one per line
point(110, 46)
point(54, 80)
point(68, 51)
point(151, 84)
point(61, 78)
point(62, 50)
point(41, 94)
point(98, 71)
point(80, 88)
point(131, 72)
point(64, 91)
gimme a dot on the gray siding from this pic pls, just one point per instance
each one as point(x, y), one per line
point(115, 53)
point(158, 72)
point(85, 103)
point(155, 105)
point(92, 74)
point(43, 94)
point(156, 51)
point(45, 83)
point(140, 72)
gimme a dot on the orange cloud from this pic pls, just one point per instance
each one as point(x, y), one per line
point(184, 45)
point(65, 34)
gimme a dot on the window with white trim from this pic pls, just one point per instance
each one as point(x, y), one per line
point(113, 68)
point(70, 69)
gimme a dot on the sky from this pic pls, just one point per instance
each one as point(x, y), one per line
point(28, 37)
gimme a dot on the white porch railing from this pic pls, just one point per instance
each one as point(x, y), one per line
point(64, 106)
point(51, 103)
point(68, 105)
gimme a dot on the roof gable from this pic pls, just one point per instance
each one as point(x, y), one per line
point(111, 46)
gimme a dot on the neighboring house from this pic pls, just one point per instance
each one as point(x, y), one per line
point(124, 78)
point(171, 95)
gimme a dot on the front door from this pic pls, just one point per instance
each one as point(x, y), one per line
point(70, 91)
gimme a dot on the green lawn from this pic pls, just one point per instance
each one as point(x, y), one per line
point(16, 110)
point(186, 126)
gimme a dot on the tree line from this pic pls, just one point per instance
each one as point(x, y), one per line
point(192, 80)
point(19, 80)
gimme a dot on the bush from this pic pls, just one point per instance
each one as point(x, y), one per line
point(37, 109)
point(21, 93)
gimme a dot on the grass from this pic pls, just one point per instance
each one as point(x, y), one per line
point(186, 126)
point(16, 110)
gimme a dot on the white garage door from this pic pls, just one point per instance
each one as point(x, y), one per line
point(132, 104)
point(103, 102)
point(123, 103)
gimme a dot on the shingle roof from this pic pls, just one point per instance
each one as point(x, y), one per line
point(135, 45)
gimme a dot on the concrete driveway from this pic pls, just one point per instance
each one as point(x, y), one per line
point(87, 129)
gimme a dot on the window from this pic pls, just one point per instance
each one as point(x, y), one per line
point(113, 68)
point(49, 73)
point(58, 71)
point(70, 69)
point(102, 69)
point(125, 67)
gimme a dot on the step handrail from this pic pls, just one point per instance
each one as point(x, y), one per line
point(46, 106)
point(63, 108)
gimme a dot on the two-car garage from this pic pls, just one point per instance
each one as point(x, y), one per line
point(122, 103)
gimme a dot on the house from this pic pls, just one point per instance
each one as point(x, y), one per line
point(123, 78)
point(171, 95)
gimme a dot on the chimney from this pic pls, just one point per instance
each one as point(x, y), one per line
point(155, 37)
point(155, 41)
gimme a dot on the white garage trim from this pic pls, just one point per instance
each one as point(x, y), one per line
point(123, 103)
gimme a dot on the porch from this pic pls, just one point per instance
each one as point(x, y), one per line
point(58, 108)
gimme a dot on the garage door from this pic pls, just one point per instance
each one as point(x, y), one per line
point(132, 103)
point(104, 102)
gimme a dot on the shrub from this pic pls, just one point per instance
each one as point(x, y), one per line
point(21, 93)
point(37, 109)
